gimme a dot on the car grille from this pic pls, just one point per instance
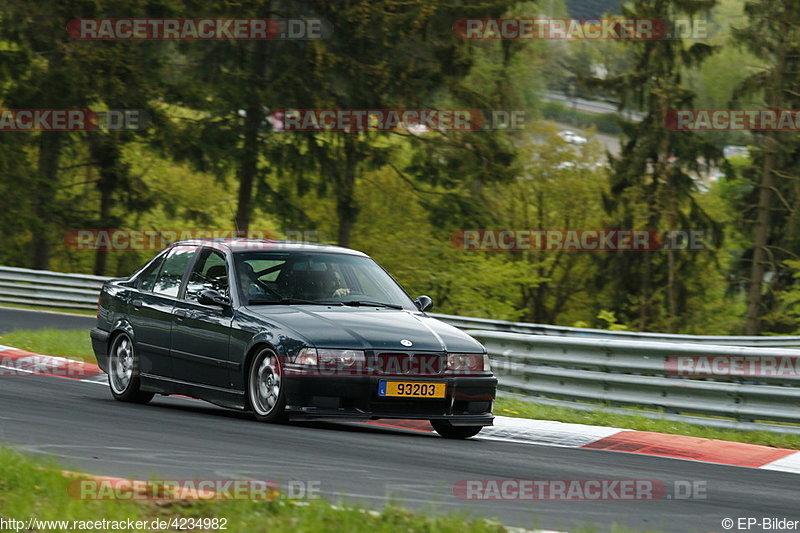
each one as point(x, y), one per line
point(408, 364)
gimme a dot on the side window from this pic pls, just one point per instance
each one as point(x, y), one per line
point(169, 281)
point(209, 272)
point(148, 276)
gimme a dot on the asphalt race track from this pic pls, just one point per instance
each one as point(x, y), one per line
point(11, 318)
point(175, 438)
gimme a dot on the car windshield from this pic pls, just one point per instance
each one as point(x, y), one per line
point(317, 278)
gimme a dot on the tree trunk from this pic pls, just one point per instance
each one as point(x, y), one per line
point(44, 197)
point(347, 220)
point(761, 236)
point(346, 205)
point(106, 156)
point(752, 325)
point(248, 167)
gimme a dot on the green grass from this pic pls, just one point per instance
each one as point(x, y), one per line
point(74, 344)
point(505, 406)
point(32, 488)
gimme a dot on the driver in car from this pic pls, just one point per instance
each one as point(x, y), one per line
point(336, 285)
point(247, 279)
point(330, 281)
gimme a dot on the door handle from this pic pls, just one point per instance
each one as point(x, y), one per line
point(180, 313)
point(137, 304)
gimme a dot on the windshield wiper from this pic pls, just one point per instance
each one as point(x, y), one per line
point(357, 303)
point(290, 301)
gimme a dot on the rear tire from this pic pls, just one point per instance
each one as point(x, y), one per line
point(265, 390)
point(123, 372)
point(449, 431)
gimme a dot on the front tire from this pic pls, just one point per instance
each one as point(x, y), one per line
point(265, 391)
point(449, 431)
point(123, 372)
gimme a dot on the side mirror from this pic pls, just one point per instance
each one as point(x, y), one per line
point(212, 297)
point(424, 303)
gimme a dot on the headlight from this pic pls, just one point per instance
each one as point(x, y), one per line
point(346, 358)
point(469, 363)
point(307, 357)
point(325, 357)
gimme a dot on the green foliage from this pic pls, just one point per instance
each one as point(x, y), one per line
point(212, 159)
point(652, 181)
point(770, 219)
point(610, 321)
point(787, 311)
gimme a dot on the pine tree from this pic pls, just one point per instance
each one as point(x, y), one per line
point(652, 181)
point(771, 214)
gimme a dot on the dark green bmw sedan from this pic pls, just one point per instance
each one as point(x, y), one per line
point(288, 330)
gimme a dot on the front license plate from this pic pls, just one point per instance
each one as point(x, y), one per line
point(412, 389)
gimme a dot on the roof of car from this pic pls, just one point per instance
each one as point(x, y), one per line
point(271, 245)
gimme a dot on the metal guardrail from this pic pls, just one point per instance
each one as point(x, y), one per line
point(590, 106)
point(635, 374)
point(49, 289)
point(565, 331)
point(79, 291)
point(578, 367)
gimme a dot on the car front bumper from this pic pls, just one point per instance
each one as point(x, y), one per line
point(467, 402)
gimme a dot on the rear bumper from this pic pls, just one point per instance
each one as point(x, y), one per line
point(468, 400)
point(100, 347)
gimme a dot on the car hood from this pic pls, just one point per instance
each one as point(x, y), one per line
point(368, 328)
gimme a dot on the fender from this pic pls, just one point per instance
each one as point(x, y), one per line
point(122, 324)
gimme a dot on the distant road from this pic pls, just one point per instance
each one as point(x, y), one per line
point(610, 142)
point(588, 106)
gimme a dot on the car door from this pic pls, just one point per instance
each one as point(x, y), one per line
point(151, 312)
point(201, 333)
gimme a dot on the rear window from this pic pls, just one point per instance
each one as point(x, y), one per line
point(169, 280)
point(147, 279)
